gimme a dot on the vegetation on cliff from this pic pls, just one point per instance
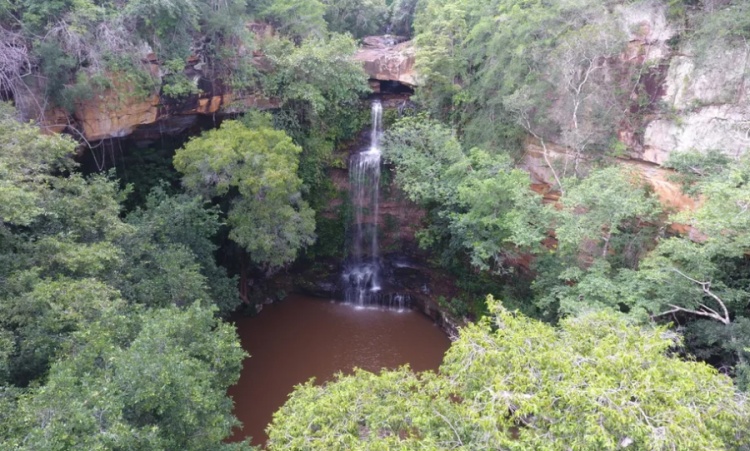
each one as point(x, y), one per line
point(109, 332)
point(574, 75)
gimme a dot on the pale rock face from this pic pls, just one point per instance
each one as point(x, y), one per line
point(710, 106)
point(721, 127)
point(646, 23)
point(388, 59)
point(667, 190)
point(100, 120)
point(719, 78)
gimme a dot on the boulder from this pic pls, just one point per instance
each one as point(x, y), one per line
point(388, 58)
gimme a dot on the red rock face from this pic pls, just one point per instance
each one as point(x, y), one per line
point(668, 192)
point(398, 218)
point(116, 113)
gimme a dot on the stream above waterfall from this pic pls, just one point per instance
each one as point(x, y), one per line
point(303, 337)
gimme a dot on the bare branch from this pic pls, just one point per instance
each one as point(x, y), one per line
point(703, 309)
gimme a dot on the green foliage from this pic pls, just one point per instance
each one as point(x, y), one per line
point(154, 170)
point(158, 383)
point(595, 383)
point(495, 213)
point(38, 13)
point(331, 234)
point(728, 24)
point(173, 237)
point(455, 307)
point(294, 18)
point(27, 160)
point(166, 24)
point(402, 17)
point(58, 67)
point(422, 150)
point(677, 9)
point(595, 210)
point(65, 251)
point(44, 319)
point(358, 17)
point(693, 166)
point(489, 67)
point(78, 47)
point(104, 340)
point(603, 230)
point(268, 216)
point(697, 281)
point(441, 29)
point(320, 73)
point(320, 86)
point(176, 85)
point(479, 203)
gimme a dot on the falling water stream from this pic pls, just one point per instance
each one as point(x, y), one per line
point(362, 273)
point(303, 337)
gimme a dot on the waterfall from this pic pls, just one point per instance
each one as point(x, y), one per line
point(361, 276)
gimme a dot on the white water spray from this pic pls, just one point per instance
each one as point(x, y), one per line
point(362, 275)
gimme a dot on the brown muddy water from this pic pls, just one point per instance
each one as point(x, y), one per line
point(304, 337)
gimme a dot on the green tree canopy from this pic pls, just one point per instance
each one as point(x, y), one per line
point(104, 340)
point(358, 17)
point(479, 203)
point(153, 381)
point(594, 383)
point(268, 216)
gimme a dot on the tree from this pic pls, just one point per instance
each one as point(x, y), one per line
point(508, 382)
point(173, 234)
point(358, 17)
point(268, 216)
point(441, 29)
point(595, 210)
point(496, 214)
point(402, 17)
point(153, 380)
point(572, 98)
point(706, 278)
point(492, 67)
point(296, 19)
point(480, 204)
point(319, 74)
point(604, 225)
point(320, 86)
point(67, 258)
point(423, 150)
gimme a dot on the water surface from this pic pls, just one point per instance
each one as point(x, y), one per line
point(303, 337)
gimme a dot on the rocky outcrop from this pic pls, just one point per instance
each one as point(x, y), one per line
point(703, 101)
point(707, 106)
point(119, 112)
point(388, 59)
point(694, 101)
point(108, 115)
point(660, 179)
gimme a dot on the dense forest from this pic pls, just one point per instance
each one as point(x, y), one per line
point(594, 314)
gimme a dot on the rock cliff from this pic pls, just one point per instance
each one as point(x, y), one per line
point(697, 102)
point(388, 59)
point(117, 112)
